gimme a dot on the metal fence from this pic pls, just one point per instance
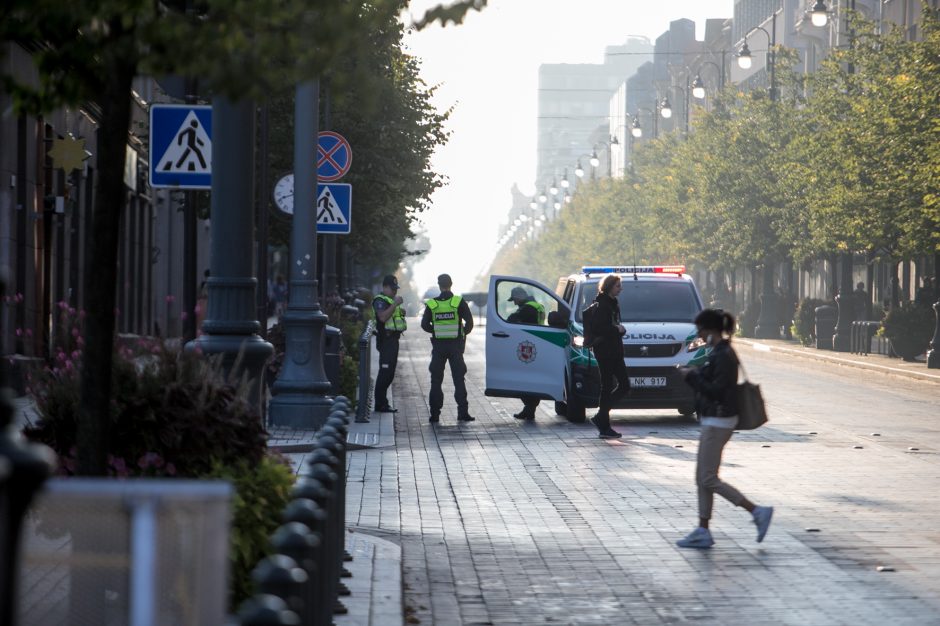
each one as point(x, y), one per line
point(139, 551)
point(301, 583)
point(364, 399)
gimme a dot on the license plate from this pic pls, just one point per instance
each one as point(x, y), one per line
point(648, 381)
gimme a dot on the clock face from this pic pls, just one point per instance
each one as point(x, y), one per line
point(284, 194)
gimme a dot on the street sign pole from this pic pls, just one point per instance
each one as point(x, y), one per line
point(300, 399)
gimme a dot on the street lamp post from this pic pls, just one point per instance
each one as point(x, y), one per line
point(300, 392)
point(767, 324)
point(698, 85)
point(609, 143)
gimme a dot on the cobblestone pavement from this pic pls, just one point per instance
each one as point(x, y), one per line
point(502, 522)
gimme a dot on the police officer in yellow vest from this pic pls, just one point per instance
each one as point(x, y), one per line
point(448, 319)
point(390, 323)
point(529, 312)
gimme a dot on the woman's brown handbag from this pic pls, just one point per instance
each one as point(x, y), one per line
point(751, 411)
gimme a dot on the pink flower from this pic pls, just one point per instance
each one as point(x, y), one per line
point(183, 315)
point(79, 342)
point(71, 310)
point(170, 299)
point(19, 297)
point(19, 332)
point(29, 332)
point(170, 469)
point(75, 332)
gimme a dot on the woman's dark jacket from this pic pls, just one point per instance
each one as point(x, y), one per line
point(608, 342)
point(715, 383)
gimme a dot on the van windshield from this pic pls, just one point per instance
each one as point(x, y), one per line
point(649, 301)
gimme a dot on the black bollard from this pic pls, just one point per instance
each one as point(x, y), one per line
point(27, 466)
point(298, 542)
point(333, 539)
point(304, 511)
point(266, 610)
point(279, 575)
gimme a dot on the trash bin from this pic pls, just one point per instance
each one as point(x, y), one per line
point(826, 317)
point(332, 348)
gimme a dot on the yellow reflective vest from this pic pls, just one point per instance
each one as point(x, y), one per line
point(397, 321)
point(539, 310)
point(446, 321)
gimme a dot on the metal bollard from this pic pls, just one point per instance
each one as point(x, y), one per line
point(339, 450)
point(333, 539)
point(303, 509)
point(300, 543)
point(266, 610)
point(365, 373)
point(279, 575)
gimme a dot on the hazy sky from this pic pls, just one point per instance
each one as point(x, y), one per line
point(488, 69)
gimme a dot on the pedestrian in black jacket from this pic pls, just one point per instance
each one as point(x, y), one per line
point(715, 385)
point(608, 350)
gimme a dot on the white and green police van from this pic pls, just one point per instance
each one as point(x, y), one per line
point(658, 305)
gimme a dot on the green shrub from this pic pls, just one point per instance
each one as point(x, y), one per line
point(804, 320)
point(909, 327)
point(349, 379)
point(262, 492)
point(175, 415)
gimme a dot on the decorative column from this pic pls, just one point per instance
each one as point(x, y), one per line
point(300, 392)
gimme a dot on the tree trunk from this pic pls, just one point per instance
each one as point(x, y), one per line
point(94, 413)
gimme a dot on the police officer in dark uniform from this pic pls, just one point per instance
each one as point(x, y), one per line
point(390, 322)
point(529, 312)
point(448, 319)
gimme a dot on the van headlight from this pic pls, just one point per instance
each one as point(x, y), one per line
point(577, 341)
point(695, 344)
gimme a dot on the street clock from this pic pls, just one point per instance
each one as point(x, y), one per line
point(284, 194)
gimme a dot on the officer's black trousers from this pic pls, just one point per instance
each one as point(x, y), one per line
point(388, 360)
point(442, 351)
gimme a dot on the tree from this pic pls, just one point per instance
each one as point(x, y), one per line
point(91, 50)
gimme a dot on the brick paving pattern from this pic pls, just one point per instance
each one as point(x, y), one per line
point(504, 522)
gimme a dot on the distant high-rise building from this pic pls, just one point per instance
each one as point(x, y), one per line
point(574, 109)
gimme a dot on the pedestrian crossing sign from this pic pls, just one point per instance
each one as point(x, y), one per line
point(181, 146)
point(334, 208)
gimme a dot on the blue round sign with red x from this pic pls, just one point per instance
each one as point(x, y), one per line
point(334, 156)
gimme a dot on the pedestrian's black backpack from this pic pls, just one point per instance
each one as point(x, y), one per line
point(587, 319)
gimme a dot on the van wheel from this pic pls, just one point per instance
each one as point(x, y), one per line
point(575, 408)
point(561, 409)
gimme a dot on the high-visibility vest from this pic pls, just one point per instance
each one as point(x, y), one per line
point(397, 321)
point(539, 309)
point(444, 316)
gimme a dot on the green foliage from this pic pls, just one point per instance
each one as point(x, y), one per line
point(909, 327)
point(349, 379)
point(804, 322)
point(262, 493)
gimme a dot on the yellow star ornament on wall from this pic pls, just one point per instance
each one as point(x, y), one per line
point(68, 153)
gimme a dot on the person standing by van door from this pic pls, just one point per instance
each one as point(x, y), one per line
point(390, 324)
point(608, 350)
point(529, 312)
point(449, 320)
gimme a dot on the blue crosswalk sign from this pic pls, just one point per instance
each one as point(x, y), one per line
point(334, 208)
point(181, 146)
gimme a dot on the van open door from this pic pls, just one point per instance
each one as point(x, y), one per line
point(525, 359)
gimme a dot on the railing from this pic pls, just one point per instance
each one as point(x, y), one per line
point(861, 336)
point(300, 584)
point(364, 399)
point(99, 551)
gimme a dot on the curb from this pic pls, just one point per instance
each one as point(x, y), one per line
point(886, 369)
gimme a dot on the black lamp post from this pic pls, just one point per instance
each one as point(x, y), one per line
point(767, 324)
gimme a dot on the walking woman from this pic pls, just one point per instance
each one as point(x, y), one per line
point(715, 385)
point(608, 350)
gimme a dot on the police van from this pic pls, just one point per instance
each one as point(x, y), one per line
point(657, 304)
